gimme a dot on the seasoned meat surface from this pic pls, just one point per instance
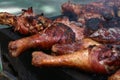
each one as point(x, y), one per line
point(96, 59)
point(61, 49)
point(27, 22)
point(57, 33)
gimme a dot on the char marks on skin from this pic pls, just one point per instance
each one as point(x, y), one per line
point(62, 49)
point(79, 40)
point(77, 27)
point(30, 23)
point(103, 35)
point(106, 56)
point(97, 9)
point(84, 12)
point(57, 33)
point(26, 23)
point(85, 59)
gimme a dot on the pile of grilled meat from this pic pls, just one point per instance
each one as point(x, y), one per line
point(87, 37)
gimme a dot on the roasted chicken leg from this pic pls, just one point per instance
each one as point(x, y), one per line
point(98, 59)
point(57, 33)
point(87, 43)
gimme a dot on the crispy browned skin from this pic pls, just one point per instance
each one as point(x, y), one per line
point(78, 11)
point(115, 76)
point(110, 3)
point(27, 22)
point(77, 27)
point(60, 49)
point(104, 35)
point(30, 23)
point(6, 18)
point(57, 33)
point(96, 59)
point(82, 12)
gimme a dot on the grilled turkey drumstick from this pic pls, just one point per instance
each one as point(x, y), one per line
point(98, 59)
point(25, 23)
point(57, 33)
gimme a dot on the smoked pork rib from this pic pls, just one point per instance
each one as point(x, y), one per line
point(98, 59)
point(25, 23)
point(57, 33)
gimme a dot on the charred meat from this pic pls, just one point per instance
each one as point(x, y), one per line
point(96, 59)
point(25, 23)
point(57, 33)
point(77, 27)
point(98, 9)
point(69, 48)
point(110, 36)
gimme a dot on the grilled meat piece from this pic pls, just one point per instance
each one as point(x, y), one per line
point(6, 18)
point(56, 33)
point(83, 12)
point(27, 22)
point(98, 59)
point(104, 31)
point(60, 49)
point(107, 35)
point(92, 25)
point(30, 23)
point(115, 76)
point(77, 27)
point(98, 9)
point(110, 3)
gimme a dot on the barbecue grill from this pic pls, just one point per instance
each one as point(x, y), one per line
point(21, 67)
